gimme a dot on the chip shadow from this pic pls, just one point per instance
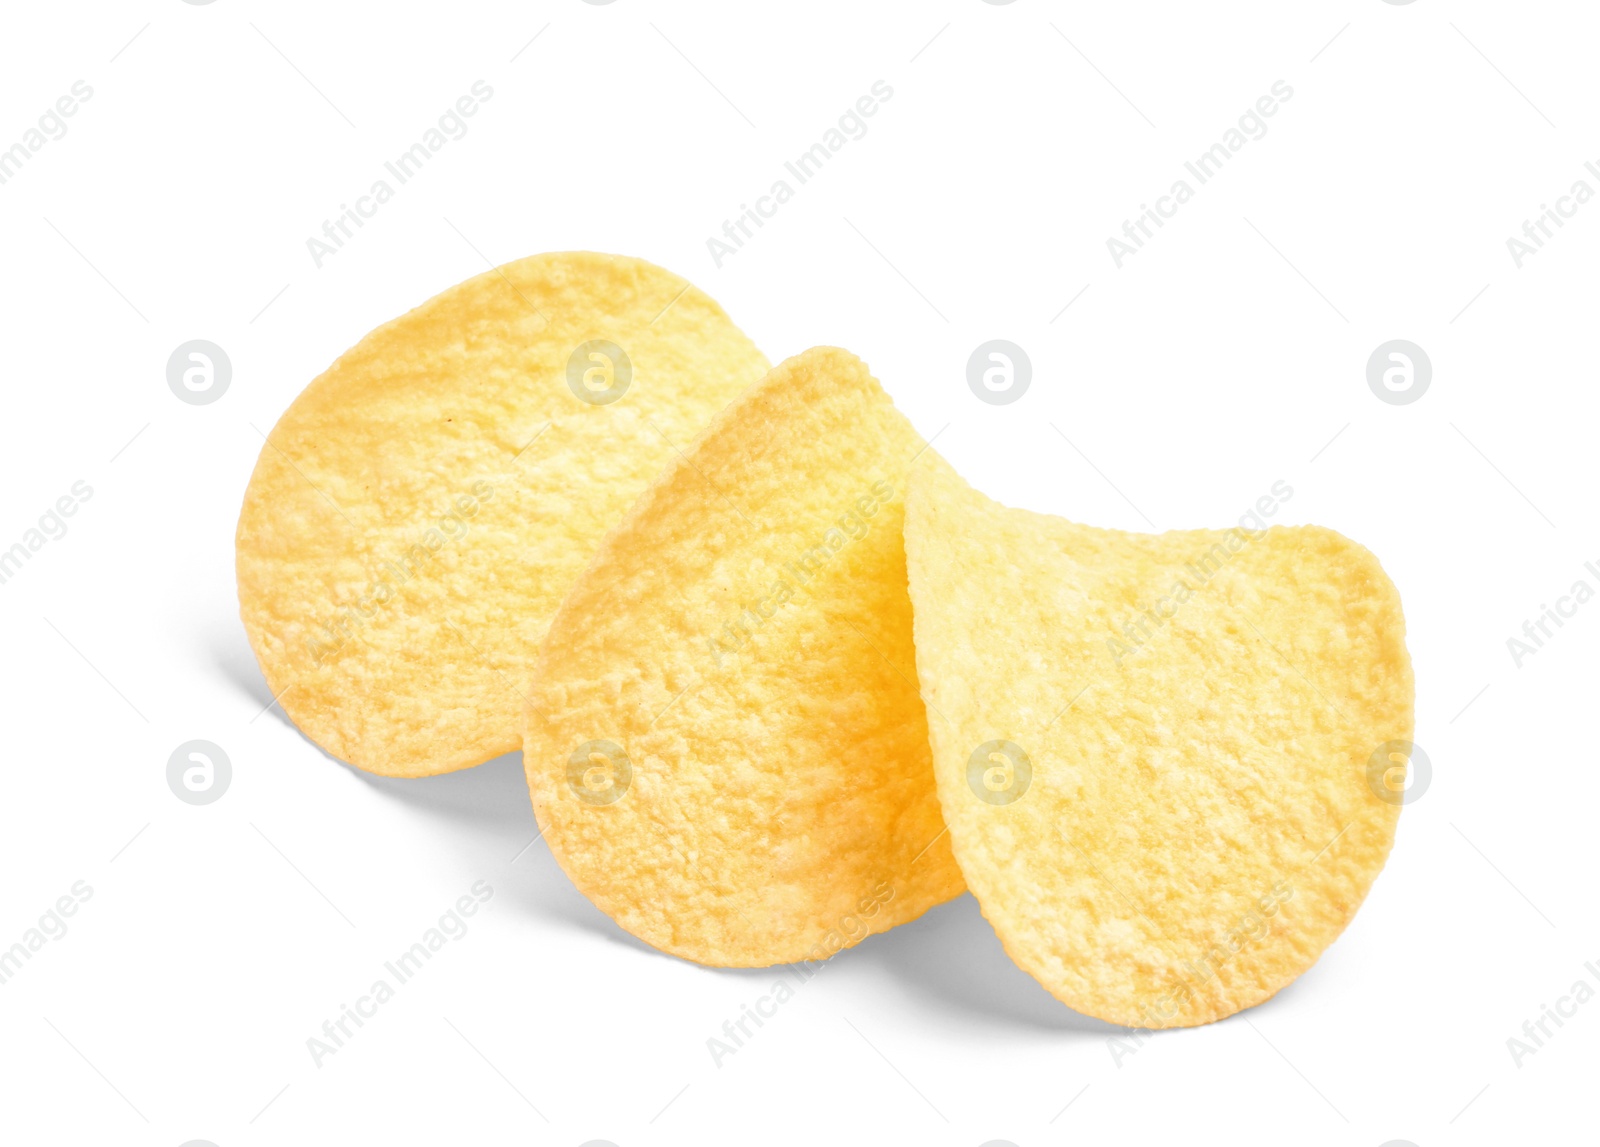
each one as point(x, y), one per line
point(949, 954)
point(235, 662)
point(952, 955)
point(483, 814)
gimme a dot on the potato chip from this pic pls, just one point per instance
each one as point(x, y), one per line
point(419, 511)
point(1153, 751)
point(726, 747)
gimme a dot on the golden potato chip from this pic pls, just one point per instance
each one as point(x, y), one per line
point(1153, 751)
point(726, 748)
point(419, 511)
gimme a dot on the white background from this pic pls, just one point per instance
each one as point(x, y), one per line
point(1228, 354)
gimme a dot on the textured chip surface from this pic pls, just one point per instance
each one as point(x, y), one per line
point(726, 747)
point(419, 511)
point(1152, 751)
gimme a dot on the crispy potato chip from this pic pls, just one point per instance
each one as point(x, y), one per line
point(419, 511)
point(1153, 751)
point(725, 746)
